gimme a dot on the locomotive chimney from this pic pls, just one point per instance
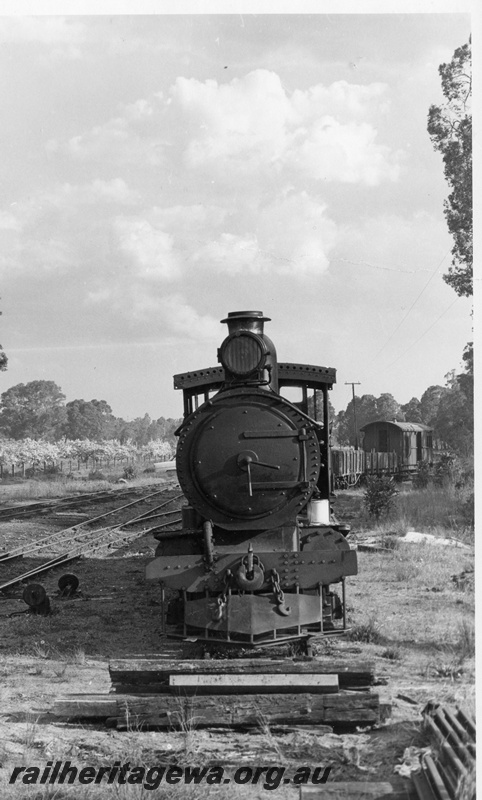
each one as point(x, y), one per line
point(246, 321)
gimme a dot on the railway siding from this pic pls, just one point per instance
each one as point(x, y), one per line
point(93, 537)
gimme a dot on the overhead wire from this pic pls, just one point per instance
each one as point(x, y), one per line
point(384, 269)
point(422, 335)
point(432, 276)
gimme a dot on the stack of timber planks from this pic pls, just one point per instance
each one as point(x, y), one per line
point(451, 774)
point(136, 675)
point(160, 692)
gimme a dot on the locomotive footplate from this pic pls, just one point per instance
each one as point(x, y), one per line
point(307, 570)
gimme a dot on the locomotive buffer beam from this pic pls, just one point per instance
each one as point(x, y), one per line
point(305, 570)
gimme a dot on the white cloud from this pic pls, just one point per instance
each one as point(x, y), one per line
point(297, 232)
point(8, 221)
point(342, 152)
point(341, 99)
point(292, 234)
point(252, 125)
point(243, 122)
point(41, 29)
point(184, 321)
point(56, 230)
point(196, 216)
point(55, 37)
point(232, 254)
point(151, 249)
point(396, 243)
point(171, 314)
point(115, 191)
point(250, 128)
point(117, 141)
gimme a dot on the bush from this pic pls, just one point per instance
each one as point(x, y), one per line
point(130, 473)
point(368, 632)
point(448, 470)
point(379, 495)
point(96, 475)
point(423, 476)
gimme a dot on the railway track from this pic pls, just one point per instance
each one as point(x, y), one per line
point(93, 536)
point(70, 501)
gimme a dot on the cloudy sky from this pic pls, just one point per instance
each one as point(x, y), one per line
point(161, 170)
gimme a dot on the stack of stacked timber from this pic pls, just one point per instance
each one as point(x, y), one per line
point(451, 774)
point(138, 675)
point(159, 692)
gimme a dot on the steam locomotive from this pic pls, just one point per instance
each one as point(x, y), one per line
point(260, 549)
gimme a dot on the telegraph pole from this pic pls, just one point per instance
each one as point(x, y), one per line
point(353, 384)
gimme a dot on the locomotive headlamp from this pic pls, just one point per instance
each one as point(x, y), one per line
point(243, 353)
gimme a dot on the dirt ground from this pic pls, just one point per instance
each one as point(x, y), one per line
point(408, 614)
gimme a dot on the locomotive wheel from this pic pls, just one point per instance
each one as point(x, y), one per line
point(34, 594)
point(36, 598)
point(68, 584)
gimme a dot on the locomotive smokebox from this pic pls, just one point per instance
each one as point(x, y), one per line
point(247, 354)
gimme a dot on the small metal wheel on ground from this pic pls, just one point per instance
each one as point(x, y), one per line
point(36, 598)
point(68, 584)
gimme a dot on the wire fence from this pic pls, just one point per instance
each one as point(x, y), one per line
point(69, 466)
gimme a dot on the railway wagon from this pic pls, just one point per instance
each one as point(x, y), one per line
point(347, 467)
point(260, 554)
point(388, 448)
point(409, 442)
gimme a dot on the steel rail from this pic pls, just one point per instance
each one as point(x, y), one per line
point(26, 509)
point(64, 558)
point(99, 542)
point(100, 539)
point(41, 544)
point(163, 525)
point(154, 516)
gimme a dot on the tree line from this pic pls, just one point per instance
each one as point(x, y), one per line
point(448, 409)
point(37, 410)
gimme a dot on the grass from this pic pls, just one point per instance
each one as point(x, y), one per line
point(31, 489)
point(436, 509)
point(443, 511)
point(392, 653)
point(466, 789)
point(426, 565)
point(452, 656)
point(368, 632)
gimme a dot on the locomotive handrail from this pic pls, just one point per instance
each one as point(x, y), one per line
point(211, 378)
